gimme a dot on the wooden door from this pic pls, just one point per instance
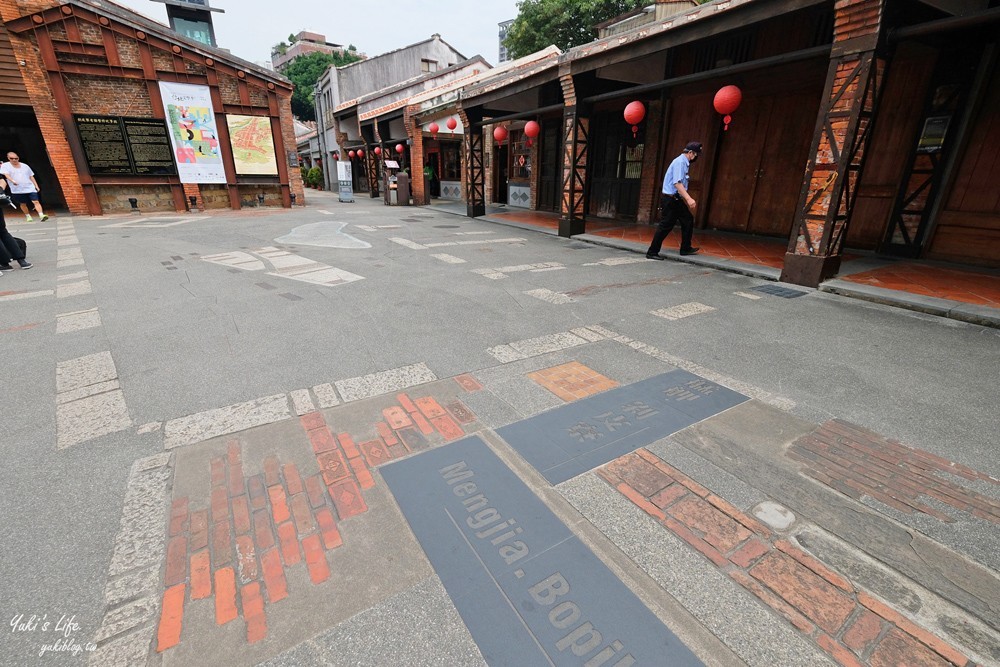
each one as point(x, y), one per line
point(783, 161)
point(549, 185)
point(500, 173)
point(688, 121)
point(738, 167)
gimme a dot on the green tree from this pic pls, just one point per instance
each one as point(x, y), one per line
point(565, 23)
point(304, 71)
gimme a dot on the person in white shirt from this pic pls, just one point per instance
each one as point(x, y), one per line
point(23, 186)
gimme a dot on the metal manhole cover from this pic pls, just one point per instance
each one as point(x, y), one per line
point(777, 290)
point(447, 226)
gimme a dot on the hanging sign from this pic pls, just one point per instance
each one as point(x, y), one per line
point(193, 133)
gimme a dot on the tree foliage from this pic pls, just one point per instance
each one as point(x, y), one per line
point(565, 23)
point(304, 71)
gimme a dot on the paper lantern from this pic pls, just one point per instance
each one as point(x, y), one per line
point(400, 149)
point(452, 124)
point(531, 130)
point(378, 150)
point(361, 152)
point(351, 154)
point(634, 113)
point(500, 133)
point(433, 127)
point(726, 102)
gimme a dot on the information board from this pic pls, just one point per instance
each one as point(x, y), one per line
point(115, 145)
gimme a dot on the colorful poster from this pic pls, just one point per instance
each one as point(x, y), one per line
point(193, 134)
point(253, 145)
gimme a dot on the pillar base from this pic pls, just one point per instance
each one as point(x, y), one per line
point(809, 270)
point(475, 210)
point(571, 227)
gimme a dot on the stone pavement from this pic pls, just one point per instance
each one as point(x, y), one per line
point(405, 439)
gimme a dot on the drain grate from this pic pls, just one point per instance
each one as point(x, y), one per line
point(777, 290)
point(447, 226)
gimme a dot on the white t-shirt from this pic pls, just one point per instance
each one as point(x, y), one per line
point(20, 174)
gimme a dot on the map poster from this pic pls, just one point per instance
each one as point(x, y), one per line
point(253, 145)
point(193, 133)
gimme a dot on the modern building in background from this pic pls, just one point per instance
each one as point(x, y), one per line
point(504, 29)
point(192, 18)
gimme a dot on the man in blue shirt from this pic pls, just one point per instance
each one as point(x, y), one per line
point(676, 204)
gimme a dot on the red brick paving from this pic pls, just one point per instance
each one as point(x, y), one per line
point(968, 286)
point(254, 528)
point(846, 622)
point(858, 462)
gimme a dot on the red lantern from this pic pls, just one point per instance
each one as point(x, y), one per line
point(452, 124)
point(399, 148)
point(500, 133)
point(531, 130)
point(351, 154)
point(634, 113)
point(727, 101)
point(378, 150)
point(433, 127)
point(361, 152)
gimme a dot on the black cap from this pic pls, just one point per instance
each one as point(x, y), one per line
point(693, 146)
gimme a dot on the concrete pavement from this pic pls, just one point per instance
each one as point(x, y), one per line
point(240, 459)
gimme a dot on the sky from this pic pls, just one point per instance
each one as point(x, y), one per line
point(249, 28)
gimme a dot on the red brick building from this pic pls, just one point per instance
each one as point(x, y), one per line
point(80, 85)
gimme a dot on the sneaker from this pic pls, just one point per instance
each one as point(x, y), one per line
point(690, 251)
point(24, 264)
point(44, 218)
point(6, 267)
point(655, 257)
point(28, 218)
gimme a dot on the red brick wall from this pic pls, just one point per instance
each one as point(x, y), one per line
point(36, 80)
point(295, 185)
point(413, 131)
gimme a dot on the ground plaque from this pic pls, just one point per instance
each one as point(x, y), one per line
point(530, 592)
point(588, 433)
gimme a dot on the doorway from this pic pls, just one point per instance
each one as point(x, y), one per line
point(550, 172)
point(501, 171)
point(19, 132)
point(617, 168)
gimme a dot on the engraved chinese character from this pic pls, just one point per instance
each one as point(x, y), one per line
point(584, 431)
point(680, 394)
point(703, 387)
point(638, 409)
point(611, 421)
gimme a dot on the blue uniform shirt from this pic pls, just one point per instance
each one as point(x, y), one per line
point(677, 172)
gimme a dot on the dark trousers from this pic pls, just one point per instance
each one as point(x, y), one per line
point(673, 209)
point(8, 246)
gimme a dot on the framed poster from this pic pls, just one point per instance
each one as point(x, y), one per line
point(253, 145)
point(149, 147)
point(115, 145)
point(193, 133)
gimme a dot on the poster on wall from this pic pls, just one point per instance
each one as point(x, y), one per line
point(115, 145)
point(253, 145)
point(193, 133)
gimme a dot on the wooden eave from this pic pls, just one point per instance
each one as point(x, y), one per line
point(177, 46)
point(699, 23)
point(512, 84)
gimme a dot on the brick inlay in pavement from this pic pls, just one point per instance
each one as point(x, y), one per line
point(572, 381)
point(846, 622)
point(858, 462)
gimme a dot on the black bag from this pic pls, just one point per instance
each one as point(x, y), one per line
point(23, 246)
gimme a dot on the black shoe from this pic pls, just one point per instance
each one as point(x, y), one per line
point(690, 251)
point(24, 264)
point(6, 267)
point(655, 257)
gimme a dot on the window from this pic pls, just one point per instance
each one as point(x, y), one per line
point(197, 30)
point(428, 65)
point(520, 167)
point(451, 165)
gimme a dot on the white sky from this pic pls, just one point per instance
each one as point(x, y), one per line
point(250, 27)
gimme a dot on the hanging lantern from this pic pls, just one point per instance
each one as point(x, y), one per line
point(727, 101)
point(378, 150)
point(500, 134)
point(351, 154)
point(452, 124)
point(433, 127)
point(336, 155)
point(634, 113)
point(531, 130)
point(361, 152)
point(400, 149)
